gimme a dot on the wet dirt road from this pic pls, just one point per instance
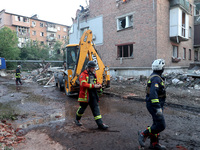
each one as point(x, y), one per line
point(47, 116)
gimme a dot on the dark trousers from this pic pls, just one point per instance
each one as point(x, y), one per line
point(18, 80)
point(94, 106)
point(158, 121)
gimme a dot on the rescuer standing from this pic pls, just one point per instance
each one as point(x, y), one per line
point(155, 99)
point(18, 75)
point(88, 95)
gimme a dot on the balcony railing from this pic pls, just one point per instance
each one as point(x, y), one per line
point(50, 29)
point(184, 4)
point(51, 38)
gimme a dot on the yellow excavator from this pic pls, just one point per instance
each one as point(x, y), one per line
point(77, 56)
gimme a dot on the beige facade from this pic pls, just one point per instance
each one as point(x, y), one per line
point(32, 28)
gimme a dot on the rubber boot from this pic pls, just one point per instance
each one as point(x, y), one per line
point(142, 137)
point(154, 143)
point(77, 121)
point(101, 125)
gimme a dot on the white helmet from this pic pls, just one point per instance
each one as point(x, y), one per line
point(158, 64)
point(18, 66)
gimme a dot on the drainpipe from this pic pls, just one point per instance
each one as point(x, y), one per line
point(155, 17)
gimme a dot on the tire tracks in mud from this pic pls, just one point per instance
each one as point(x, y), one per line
point(167, 104)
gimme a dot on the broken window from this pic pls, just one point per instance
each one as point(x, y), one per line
point(124, 22)
point(58, 36)
point(25, 19)
point(125, 50)
point(58, 28)
point(42, 42)
point(33, 23)
point(22, 31)
point(190, 32)
point(196, 55)
point(41, 33)
point(64, 29)
point(190, 54)
point(41, 24)
point(175, 51)
point(33, 32)
point(184, 53)
point(183, 24)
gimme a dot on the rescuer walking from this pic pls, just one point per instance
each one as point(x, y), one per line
point(18, 75)
point(88, 95)
point(155, 99)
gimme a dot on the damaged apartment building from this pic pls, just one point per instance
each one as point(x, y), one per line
point(130, 34)
point(34, 29)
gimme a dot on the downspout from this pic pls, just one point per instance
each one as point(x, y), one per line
point(155, 17)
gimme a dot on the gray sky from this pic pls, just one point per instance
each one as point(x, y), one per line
point(57, 11)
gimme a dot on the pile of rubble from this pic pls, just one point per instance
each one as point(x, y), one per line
point(182, 80)
point(44, 76)
point(8, 136)
point(171, 79)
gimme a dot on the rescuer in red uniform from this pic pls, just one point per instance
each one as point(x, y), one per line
point(88, 95)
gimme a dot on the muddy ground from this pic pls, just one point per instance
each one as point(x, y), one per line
point(46, 116)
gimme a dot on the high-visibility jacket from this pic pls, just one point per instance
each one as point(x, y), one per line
point(17, 73)
point(85, 86)
point(155, 90)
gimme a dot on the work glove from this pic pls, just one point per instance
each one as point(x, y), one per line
point(159, 112)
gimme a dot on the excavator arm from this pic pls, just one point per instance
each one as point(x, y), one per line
point(87, 51)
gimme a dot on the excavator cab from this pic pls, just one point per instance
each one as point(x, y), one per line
point(71, 55)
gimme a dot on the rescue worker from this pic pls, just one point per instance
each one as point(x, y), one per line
point(18, 76)
point(155, 99)
point(88, 95)
point(65, 65)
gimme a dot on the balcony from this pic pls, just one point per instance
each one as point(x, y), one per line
point(184, 4)
point(50, 29)
point(179, 25)
point(23, 35)
point(51, 39)
point(24, 22)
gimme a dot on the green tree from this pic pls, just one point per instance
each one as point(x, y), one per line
point(8, 44)
point(57, 51)
point(34, 51)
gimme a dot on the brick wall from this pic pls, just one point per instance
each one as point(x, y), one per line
point(38, 30)
point(143, 31)
point(150, 32)
point(164, 45)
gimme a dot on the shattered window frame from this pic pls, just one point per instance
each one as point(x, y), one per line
point(125, 21)
point(175, 51)
point(41, 24)
point(33, 32)
point(184, 53)
point(125, 50)
point(41, 33)
point(190, 54)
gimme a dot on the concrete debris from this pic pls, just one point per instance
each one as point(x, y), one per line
point(43, 76)
point(171, 79)
point(2, 73)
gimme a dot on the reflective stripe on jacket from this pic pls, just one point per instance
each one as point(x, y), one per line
point(84, 86)
point(155, 89)
point(17, 73)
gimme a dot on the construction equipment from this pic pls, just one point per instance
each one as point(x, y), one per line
point(77, 56)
